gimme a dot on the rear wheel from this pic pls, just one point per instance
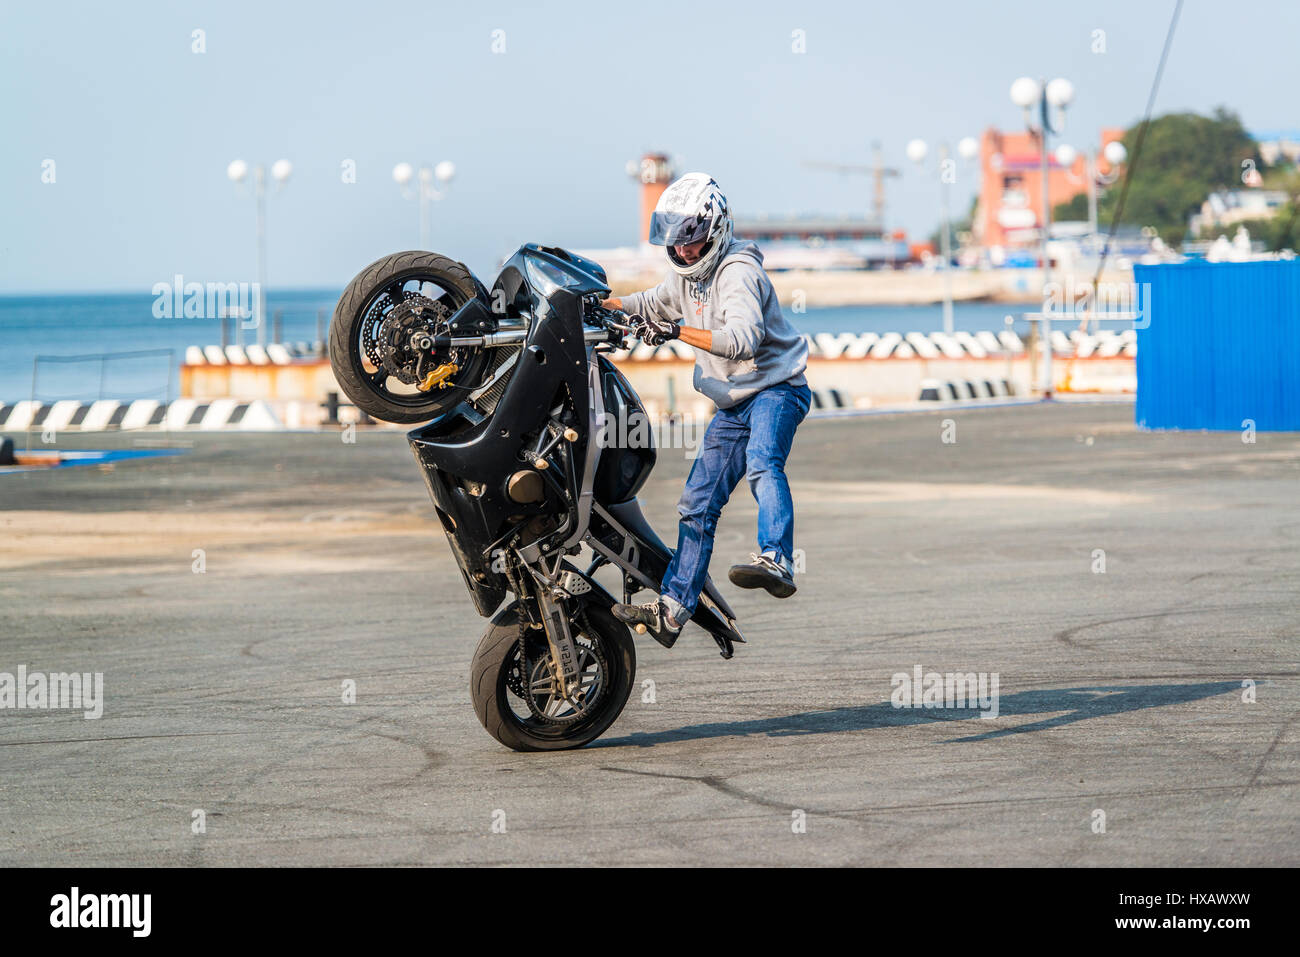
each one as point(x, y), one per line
point(390, 303)
point(515, 693)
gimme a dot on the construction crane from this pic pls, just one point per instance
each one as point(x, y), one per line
point(877, 170)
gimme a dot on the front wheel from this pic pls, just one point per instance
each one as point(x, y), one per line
point(514, 689)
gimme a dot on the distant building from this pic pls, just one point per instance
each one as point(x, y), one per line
point(1009, 210)
point(1278, 146)
point(824, 242)
point(808, 228)
point(1226, 207)
point(655, 172)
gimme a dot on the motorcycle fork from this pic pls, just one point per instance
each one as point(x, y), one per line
point(555, 621)
point(555, 625)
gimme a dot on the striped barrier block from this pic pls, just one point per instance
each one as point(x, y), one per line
point(829, 399)
point(19, 415)
point(922, 344)
point(964, 390)
point(861, 346)
point(947, 345)
point(110, 414)
point(1109, 346)
point(974, 348)
point(829, 346)
point(885, 345)
point(98, 415)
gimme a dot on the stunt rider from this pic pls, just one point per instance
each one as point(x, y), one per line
point(750, 362)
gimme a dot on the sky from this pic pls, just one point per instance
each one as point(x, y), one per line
point(540, 106)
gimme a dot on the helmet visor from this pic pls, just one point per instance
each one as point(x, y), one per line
point(677, 229)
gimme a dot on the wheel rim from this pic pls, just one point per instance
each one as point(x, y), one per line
point(540, 710)
point(366, 345)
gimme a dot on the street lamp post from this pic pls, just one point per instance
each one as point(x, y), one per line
point(425, 192)
point(280, 171)
point(1027, 92)
point(1115, 154)
point(967, 147)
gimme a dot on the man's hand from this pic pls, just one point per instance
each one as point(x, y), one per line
point(654, 332)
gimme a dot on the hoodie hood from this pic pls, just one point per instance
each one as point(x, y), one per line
point(740, 250)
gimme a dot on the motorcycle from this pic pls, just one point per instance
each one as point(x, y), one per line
point(517, 392)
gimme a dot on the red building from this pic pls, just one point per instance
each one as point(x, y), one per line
point(1010, 207)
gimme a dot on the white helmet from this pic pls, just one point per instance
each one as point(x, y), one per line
point(691, 209)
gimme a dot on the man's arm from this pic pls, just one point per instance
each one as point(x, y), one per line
point(654, 303)
point(699, 338)
point(740, 295)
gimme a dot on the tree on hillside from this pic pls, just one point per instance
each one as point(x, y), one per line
point(1184, 158)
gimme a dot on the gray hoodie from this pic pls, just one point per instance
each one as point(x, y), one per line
point(754, 346)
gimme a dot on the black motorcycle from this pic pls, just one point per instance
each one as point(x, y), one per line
point(519, 399)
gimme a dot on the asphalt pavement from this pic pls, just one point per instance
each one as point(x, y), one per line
point(1134, 593)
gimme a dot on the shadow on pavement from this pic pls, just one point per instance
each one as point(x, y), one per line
point(1077, 704)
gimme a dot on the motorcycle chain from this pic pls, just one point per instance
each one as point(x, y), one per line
point(517, 677)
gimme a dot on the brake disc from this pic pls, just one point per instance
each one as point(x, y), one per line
point(390, 328)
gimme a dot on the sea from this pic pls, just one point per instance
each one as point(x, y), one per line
point(111, 346)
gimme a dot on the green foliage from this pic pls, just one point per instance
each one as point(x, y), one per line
point(1184, 158)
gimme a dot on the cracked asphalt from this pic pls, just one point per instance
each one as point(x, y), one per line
point(1136, 594)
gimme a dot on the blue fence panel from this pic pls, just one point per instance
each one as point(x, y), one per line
point(1219, 344)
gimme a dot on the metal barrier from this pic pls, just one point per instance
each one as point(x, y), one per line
point(1221, 346)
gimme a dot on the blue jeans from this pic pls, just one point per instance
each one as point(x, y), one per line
point(752, 438)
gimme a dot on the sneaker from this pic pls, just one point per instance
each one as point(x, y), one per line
point(651, 618)
point(764, 572)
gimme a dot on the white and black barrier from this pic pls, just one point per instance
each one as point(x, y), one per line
point(110, 415)
point(965, 390)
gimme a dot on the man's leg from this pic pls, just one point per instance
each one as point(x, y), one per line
point(773, 417)
point(714, 476)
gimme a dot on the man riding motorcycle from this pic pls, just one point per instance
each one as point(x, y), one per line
point(750, 362)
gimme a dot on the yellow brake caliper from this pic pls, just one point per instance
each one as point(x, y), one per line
point(438, 377)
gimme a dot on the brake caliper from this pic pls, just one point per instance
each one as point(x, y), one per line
point(438, 377)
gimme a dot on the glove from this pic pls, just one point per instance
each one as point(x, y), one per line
point(654, 332)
